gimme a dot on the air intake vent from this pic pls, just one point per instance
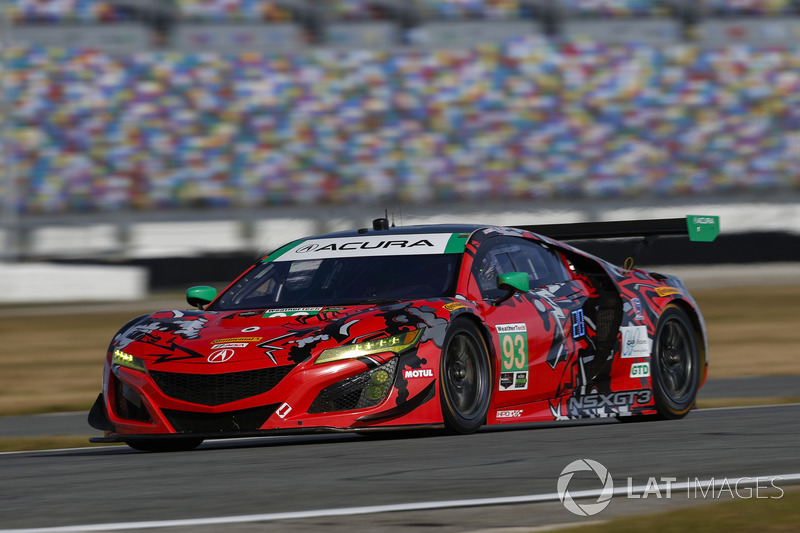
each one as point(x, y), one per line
point(363, 390)
point(232, 422)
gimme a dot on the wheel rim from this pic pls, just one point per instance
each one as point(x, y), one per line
point(675, 360)
point(463, 378)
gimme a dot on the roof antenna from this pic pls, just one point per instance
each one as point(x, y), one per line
point(393, 219)
point(381, 224)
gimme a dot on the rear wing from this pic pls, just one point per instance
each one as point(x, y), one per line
point(698, 228)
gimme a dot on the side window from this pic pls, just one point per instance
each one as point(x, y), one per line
point(543, 265)
point(513, 254)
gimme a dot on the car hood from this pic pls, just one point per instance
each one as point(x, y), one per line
point(230, 341)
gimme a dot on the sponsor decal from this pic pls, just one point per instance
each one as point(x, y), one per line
point(230, 345)
point(640, 370)
point(578, 324)
point(637, 308)
point(635, 342)
point(237, 339)
point(513, 347)
point(452, 306)
point(703, 228)
point(368, 245)
point(221, 356)
point(251, 329)
point(283, 410)
point(292, 311)
point(418, 373)
point(509, 413)
point(511, 328)
point(513, 381)
point(667, 291)
point(612, 400)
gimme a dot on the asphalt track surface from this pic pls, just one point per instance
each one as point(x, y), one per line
point(266, 476)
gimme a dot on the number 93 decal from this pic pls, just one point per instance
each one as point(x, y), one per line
point(514, 346)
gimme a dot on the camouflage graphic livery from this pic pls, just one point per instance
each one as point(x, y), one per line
point(429, 326)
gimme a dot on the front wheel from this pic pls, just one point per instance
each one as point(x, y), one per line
point(465, 386)
point(165, 445)
point(675, 370)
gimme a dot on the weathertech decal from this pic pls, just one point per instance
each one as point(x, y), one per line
point(514, 347)
point(368, 245)
point(292, 311)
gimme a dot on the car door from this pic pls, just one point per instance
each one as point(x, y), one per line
point(539, 335)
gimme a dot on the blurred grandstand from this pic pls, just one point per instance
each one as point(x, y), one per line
point(214, 122)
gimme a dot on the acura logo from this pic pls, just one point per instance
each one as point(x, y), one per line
point(307, 248)
point(220, 356)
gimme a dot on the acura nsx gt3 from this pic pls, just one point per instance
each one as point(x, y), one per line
point(411, 327)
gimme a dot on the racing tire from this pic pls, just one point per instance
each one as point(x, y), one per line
point(675, 372)
point(164, 445)
point(465, 384)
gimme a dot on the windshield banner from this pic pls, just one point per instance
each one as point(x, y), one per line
point(373, 245)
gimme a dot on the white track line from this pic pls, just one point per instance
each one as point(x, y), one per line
point(741, 407)
point(778, 479)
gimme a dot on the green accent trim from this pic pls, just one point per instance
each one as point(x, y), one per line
point(457, 243)
point(201, 295)
point(280, 251)
point(702, 228)
point(516, 280)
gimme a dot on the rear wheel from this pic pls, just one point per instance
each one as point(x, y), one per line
point(675, 364)
point(164, 445)
point(465, 386)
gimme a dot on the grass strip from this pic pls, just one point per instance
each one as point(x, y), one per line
point(24, 444)
point(763, 515)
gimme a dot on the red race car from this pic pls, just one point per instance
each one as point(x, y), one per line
point(407, 327)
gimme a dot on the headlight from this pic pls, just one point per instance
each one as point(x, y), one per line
point(395, 344)
point(127, 360)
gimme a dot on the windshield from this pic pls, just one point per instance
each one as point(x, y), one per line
point(342, 281)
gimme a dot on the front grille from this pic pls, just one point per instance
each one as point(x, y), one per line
point(217, 389)
point(356, 392)
point(230, 422)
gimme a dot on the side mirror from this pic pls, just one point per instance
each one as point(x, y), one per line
point(200, 296)
point(512, 282)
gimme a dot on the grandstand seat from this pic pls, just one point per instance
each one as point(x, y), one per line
point(62, 11)
point(233, 11)
point(473, 9)
point(615, 8)
point(747, 7)
point(522, 118)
